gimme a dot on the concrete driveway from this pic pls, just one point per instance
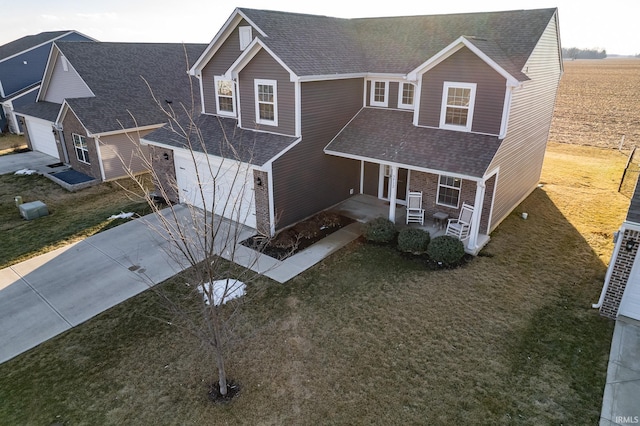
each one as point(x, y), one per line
point(44, 296)
point(33, 160)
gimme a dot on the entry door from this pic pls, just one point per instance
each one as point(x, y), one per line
point(385, 184)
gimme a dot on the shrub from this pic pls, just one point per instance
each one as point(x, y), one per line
point(446, 250)
point(287, 239)
point(329, 220)
point(308, 229)
point(413, 240)
point(379, 230)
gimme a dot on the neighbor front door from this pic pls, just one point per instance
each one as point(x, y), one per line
point(385, 184)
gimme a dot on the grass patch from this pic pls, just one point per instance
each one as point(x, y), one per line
point(72, 215)
point(365, 337)
point(10, 143)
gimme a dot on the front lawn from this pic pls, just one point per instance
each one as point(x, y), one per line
point(72, 215)
point(10, 143)
point(368, 336)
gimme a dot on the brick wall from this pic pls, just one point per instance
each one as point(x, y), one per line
point(72, 125)
point(164, 172)
point(620, 275)
point(261, 194)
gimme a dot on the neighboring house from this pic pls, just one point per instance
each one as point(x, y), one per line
point(621, 290)
point(22, 64)
point(319, 109)
point(96, 102)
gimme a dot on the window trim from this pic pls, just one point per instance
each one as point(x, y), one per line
point(245, 35)
point(459, 189)
point(443, 110)
point(260, 82)
point(77, 145)
point(401, 97)
point(217, 79)
point(372, 100)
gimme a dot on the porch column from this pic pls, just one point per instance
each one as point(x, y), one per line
point(477, 215)
point(393, 192)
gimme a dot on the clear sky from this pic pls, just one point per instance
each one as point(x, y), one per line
point(610, 25)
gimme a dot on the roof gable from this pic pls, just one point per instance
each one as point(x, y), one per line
point(30, 42)
point(320, 45)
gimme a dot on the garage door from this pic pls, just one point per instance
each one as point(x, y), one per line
point(630, 304)
point(227, 186)
point(41, 136)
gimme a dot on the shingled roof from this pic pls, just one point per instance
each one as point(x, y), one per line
point(320, 45)
point(29, 42)
point(389, 136)
point(122, 77)
point(223, 138)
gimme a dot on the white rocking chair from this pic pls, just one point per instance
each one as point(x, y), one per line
point(461, 226)
point(415, 212)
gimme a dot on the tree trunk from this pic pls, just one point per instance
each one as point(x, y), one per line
point(222, 374)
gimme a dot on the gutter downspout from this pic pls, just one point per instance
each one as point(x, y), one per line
point(472, 244)
point(612, 263)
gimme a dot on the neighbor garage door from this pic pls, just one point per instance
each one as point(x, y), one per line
point(227, 186)
point(41, 136)
point(630, 304)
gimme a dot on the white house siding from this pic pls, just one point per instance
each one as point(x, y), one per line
point(122, 152)
point(521, 155)
point(65, 84)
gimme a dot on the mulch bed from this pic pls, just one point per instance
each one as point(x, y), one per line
point(300, 236)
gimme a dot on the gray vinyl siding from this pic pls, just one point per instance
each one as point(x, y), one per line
point(393, 94)
point(305, 179)
point(65, 84)
point(224, 57)
point(121, 152)
point(263, 66)
point(464, 66)
point(521, 154)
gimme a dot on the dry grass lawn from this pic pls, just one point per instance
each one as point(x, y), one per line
point(10, 143)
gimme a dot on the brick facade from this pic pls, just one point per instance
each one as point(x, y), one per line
point(164, 173)
point(620, 275)
point(72, 125)
point(261, 193)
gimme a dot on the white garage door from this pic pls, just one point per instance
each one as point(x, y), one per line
point(41, 136)
point(227, 186)
point(630, 304)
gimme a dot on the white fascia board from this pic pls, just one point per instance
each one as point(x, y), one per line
point(402, 165)
point(249, 53)
point(387, 76)
point(62, 113)
point(129, 130)
point(453, 48)
point(220, 37)
point(324, 77)
point(2, 95)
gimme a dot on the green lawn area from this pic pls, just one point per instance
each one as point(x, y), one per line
point(72, 216)
point(369, 336)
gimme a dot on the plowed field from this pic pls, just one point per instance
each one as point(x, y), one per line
point(598, 102)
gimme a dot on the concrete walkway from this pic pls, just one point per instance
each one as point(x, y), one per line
point(32, 160)
point(621, 400)
point(49, 294)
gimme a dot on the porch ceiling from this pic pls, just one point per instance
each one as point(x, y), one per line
point(390, 136)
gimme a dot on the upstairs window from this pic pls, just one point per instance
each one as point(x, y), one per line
point(245, 37)
point(405, 95)
point(379, 93)
point(266, 92)
point(225, 96)
point(449, 191)
point(80, 146)
point(457, 106)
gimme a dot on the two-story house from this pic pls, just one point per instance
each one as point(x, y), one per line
point(97, 99)
point(22, 64)
point(316, 109)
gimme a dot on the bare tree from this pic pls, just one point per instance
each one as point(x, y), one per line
point(201, 240)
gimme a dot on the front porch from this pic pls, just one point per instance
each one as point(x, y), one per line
point(363, 208)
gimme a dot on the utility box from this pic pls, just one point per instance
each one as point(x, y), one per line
point(33, 210)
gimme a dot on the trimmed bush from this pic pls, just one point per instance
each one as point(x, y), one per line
point(379, 230)
point(413, 240)
point(446, 250)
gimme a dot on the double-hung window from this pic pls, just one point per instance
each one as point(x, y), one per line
point(457, 106)
point(225, 96)
point(379, 93)
point(266, 93)
point(80, 146)
point(405, 95)
point(449, 191)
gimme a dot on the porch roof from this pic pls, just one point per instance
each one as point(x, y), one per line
point(380, 135)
